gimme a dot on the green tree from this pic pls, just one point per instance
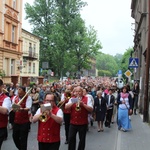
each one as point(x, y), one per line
point(66, 42)
point(118, 58)
point(125, 60)
point(106, 62)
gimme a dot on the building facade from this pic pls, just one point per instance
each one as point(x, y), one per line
point(10, 39)
point(140, 13)
point(29, 63)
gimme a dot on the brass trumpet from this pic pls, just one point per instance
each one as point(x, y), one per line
point(17, 106)
point(78, 108)
point(44, 107)
point(43, 117)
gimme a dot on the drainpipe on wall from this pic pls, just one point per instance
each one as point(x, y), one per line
point(146, 99)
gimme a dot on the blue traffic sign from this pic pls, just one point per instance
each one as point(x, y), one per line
point(133, 62)
point(119, 71)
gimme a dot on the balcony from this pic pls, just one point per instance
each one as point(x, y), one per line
point(30, 55)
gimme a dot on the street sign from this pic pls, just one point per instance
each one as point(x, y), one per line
point(119, 73)
point(133, 62)
point(45, 65)
point(67, 74)
point(128, 73)
point(49, 71)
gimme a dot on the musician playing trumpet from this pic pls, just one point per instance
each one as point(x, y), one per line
point(67, 95)
point(5, 104)
point(80, 106)
point(21, 119)
point(49, 130)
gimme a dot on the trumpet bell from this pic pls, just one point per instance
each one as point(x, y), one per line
point(78, 108)
point(43, 117)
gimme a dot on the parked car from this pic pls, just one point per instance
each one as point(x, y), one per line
point(63, 79)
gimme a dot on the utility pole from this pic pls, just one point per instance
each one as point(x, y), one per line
point(146, 100)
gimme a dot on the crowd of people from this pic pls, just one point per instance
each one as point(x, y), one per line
point(74, 103)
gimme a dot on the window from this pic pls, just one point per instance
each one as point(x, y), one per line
point(33, 67)
point(7, 31)
point(14, 4)
point(13, 34)
point(30, 49)
point(12, 66)
point(6, 66)
point(29, 67)
point(34, 49)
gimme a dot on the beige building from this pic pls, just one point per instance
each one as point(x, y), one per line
point(140, 12)
point(10, 39)
point(29, 64)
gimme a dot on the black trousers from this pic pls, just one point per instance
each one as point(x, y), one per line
point(49, 146)
point(109, 116)
point(3, 133)
point(67, 124)
point(20, 135)
point(73, 130)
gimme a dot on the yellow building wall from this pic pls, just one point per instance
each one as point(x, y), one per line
point(29, 38)
point(10, 37)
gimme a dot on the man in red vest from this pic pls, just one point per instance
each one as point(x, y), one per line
point(21, 120)
point(66, 113)
point(49, 131)
point(80, 107)
point(5, 105)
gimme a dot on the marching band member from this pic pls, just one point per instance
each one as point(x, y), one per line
point(80, 107)
point(21, 119)
point(67, 95)
point(5, 104)
point(49, 130)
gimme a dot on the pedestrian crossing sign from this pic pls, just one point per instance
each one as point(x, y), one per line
point(133, 62)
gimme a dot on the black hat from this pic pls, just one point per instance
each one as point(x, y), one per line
point(23, 88)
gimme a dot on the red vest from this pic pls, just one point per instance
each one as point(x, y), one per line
point(49, 131)
point(21, 117)
point(3, 118)
point(79, 117)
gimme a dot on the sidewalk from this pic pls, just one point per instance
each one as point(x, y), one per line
point(136, 139)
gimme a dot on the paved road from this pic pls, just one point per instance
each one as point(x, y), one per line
point(110, 139)
point(95, 140)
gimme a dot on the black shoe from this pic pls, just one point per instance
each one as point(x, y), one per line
point(66, 142)
point(91, 123)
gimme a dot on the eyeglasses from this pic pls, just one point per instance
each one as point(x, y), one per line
point(48, 100)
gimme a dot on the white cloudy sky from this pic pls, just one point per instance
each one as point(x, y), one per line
point(112, 21)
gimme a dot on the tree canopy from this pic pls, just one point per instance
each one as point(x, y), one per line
point(67, 44)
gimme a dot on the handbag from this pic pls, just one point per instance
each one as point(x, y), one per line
point(129, 112)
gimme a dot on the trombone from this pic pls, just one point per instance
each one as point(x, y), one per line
point(17, 106)
point(5, 90)
point(67, 95)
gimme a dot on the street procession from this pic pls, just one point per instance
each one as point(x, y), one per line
point(75, 104)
